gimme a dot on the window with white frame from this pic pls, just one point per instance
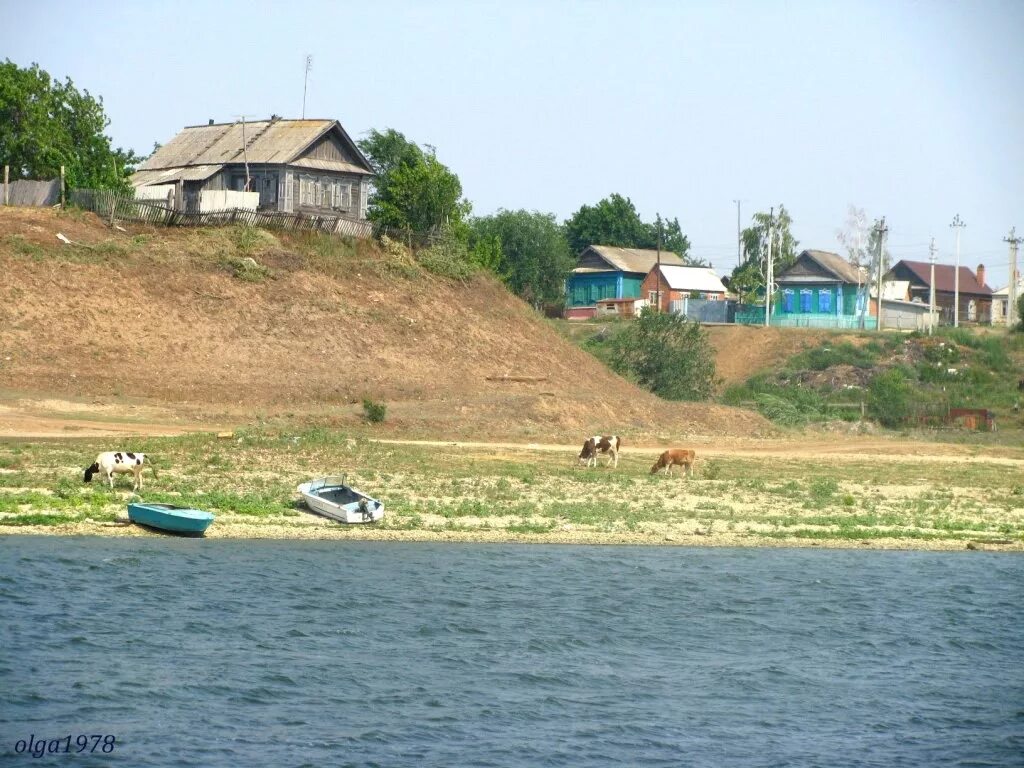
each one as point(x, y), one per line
point(805, 300)
point(364, 192)
point(824, 300)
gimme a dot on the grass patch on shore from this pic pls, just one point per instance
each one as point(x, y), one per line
point(251, 480)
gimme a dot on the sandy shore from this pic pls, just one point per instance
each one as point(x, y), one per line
point(315, 529)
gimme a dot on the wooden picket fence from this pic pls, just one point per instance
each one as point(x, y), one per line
point(112, 206)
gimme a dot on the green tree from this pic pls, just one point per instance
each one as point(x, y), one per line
point(414, 190)
point(388, 149)
point(615, 221)
point(535, 258)
point(667, 354)
point(45, 124)
point(747, 280)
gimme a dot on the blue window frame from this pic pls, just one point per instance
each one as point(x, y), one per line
point(787, 301)
point(825, 300)
point(805, 300)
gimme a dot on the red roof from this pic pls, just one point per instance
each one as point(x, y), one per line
point(945, 277)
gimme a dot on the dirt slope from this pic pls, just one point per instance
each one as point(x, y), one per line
point(165, 317)
point(744, 350)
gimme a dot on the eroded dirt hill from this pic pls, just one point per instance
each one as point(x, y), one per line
point(307, 328)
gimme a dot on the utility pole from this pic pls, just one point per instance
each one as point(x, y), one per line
point(881, 230)
point(770, 272)
point(739, 236)
point(659, 264)
point(957, 224)
point(1011, 294)
point(305, 82)
point(245, 153)
point(931, 290)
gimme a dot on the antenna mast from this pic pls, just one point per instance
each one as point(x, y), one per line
point(305, 81)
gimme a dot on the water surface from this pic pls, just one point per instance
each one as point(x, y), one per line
point(245, 653)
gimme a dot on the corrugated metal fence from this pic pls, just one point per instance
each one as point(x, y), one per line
point(705, 310)
point(110, 205)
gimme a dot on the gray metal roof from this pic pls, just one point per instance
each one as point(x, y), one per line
point(692, 278)
point(168, 175)
point(634, 259)
point(267, 141)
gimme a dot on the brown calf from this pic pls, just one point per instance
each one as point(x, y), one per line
point(682, 457)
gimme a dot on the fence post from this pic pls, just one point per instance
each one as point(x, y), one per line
point(62, 187)
point(7, 181)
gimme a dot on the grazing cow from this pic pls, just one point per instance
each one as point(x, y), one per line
point(609, 445)
point(682, 457)
point(118, 462)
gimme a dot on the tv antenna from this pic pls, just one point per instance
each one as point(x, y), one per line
point(305, 81)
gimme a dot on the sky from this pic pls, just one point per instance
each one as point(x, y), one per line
point(910, 110)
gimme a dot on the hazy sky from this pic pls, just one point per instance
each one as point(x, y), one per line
point(914, 110)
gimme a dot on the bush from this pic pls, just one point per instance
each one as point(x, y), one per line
point(374, 412)
point(448, 258)
point(667, 354)
point(889, 397)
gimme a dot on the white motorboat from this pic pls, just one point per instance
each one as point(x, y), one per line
point(334, 498)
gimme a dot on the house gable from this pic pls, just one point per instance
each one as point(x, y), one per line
point(333, 150)
point(820, 267)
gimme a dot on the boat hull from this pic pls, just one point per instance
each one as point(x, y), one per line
point(340, 502)
point(170, 519)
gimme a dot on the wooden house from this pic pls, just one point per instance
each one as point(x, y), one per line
point(668, 284)
point(822, 290)
point(975, 295)
point(303, 166)
point(609, 272)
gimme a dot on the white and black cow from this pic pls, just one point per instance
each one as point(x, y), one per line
point(609, 445)
point(112, 463)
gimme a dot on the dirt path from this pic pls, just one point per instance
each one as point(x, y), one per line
point(861, 450)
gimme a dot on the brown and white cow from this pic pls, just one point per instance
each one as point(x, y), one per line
point(676, 457)
point(608, 445)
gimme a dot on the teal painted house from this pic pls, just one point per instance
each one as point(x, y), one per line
point(609, 272)
point(822, 290)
